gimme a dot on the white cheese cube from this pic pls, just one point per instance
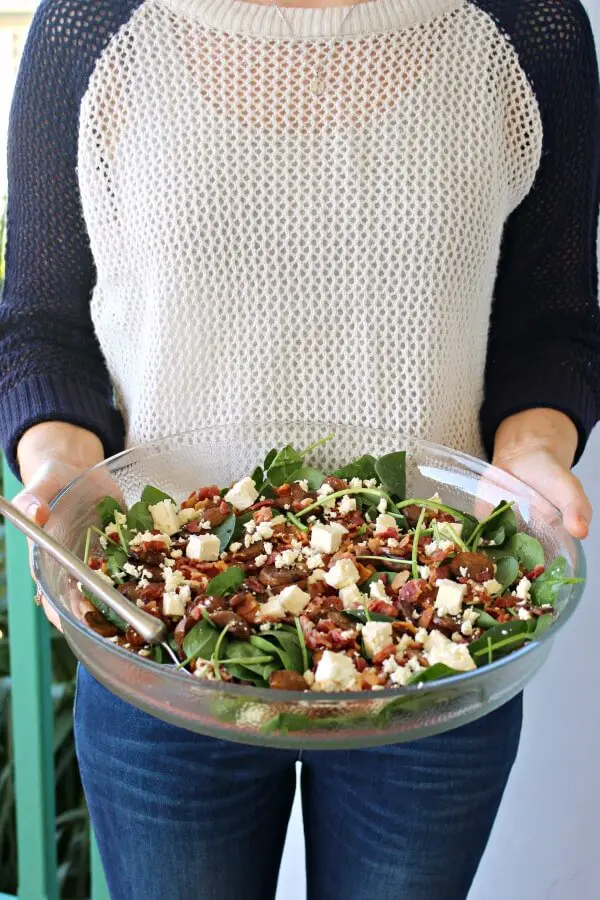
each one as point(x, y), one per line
point(351, 596)
point(164, 516)
point(203, 547)
point(242, 495)
point(293, 599)
point(492, 586)
point(335, 672)
point(439, 649)
point(326, 538)
point(450, 597)
point(272, 609)
point(376, 636)
point(174, 603)
point(522, 591)
point(377, 591)
point(384, 522)
point(342, 574)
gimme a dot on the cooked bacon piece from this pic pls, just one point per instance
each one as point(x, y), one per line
point(207, 493)
point(384, 653)
point(383, 608)
point(338, 484)
point(426, 617)
point(535, 573)
point(285, 680)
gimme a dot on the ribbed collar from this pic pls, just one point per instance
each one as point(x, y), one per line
point(372, 17)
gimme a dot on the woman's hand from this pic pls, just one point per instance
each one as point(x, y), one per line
point(538, 446)
point(50, 455)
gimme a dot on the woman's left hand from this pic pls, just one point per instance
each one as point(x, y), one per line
point(538, 447)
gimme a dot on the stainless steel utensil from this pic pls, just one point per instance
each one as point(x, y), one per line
point(150, 628)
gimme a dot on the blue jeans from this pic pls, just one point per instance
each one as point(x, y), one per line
point(179, 816)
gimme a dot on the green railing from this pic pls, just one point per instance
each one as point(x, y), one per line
point(32, 731)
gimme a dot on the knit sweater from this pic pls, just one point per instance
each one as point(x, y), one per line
point(196, 237)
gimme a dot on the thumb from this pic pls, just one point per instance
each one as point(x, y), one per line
point(34, 501)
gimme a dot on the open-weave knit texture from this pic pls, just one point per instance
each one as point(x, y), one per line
point(256, 252)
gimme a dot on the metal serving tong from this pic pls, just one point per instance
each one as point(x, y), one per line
point(150, 628)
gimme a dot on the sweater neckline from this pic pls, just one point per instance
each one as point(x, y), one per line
point(257, 19)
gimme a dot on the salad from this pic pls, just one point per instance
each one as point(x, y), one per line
point(297, 579)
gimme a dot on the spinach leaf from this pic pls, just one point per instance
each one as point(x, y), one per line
point(269, 459)
point(139, 517)
point(225, 582)
point(363, 467)
point(527, 549)
point(542, 624)
point(391, 472)
point(107, 509)
point(106, 611)
point(544, 589)
point(433, 673)
point(201, 641)
point(285, 462)
point(362, 615)
point(239, 531)
point(152, 495)
point(313, 477)
point(507, 571)
point(258, 476)
point(224, 531)
point(486, 621)
point(500, 525)
point(283, 643)
point(500, 640)
point(116, 559)
point(376, 576)
point(240, 656)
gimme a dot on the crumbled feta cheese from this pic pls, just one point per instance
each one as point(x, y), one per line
point(347, 504)
point(327, 538)
point(264, 530)
point(286, 558)
point(522, 591)
point(303, 483)
point(266, 626)
point(203, 547)
point(144, 537)
point(392, 543)
point(315, 561)
point(370, 483)
point(242, 495)
point(524, 614)
point(376, 636)
point(450, 597)
point(317, 575)
point(103, 542)
point(103, 576)
point(272, 609)
point(268, 548)
point(172, 579)
point(342, 574)
point(469, 619)
point(309, 678)
point(164, 516)
point(444, 546)
point(355, 482)
point(247, 540)
point(168, 562)
point(261, 559)
point(325, 489)
point(421, 635)
point(403, 643)
point(382, 505)
point(250, 526)
point(492, 586)
point(293, 599)
point(276, 520)
point(351, 596)
point(384, 522)
point(177, 554)
point(235, 546)
point(205, 669)
point(335, 672)
point(424, 572)
point(134, 571)
point(377, 590)
point(188, 515)
point(439, 649)
point(463, 572)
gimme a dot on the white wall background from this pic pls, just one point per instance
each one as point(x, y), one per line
point(546, 843)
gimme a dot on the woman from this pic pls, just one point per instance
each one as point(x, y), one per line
point(227, 210)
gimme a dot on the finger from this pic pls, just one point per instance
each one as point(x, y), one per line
point(561, 488)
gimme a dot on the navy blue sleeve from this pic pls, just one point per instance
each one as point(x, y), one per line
point(544, 339)
point(51, 366)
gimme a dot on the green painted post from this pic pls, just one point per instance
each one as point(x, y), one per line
point(32, 722)
point(99, 886)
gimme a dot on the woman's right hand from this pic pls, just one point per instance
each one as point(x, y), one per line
point(50, 455)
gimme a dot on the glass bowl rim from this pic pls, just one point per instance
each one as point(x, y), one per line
point(319, 698)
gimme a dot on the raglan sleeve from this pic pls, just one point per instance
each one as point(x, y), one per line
point(544, 337)
point(51, 365)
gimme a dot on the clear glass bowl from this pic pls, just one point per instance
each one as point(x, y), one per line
point(222, 454)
